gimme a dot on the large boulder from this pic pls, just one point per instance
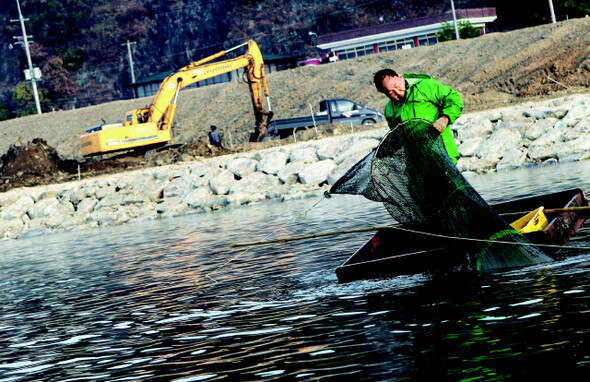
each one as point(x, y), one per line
point(255, 183)
point(329, 149)
point(180, 186)
point(511, 160)
point(469, 147)
point(358, 149)
point(171, 207)
point(289, 173)
point(579, 129)
point(474, 128)
point(273, 162)
point(198, 198)
point(303, 153)
point(223, 182)
point(341, 169)
point(501, 141)
point(17, 209)
point(49, 207)
point(574, 149)
point(241, 167)
point(578, 110)
point(316, 173)
point(539, 128)
point(476, 165)
point(202, 172)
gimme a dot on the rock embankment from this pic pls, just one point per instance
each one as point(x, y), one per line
point(540, 133)
point(545, 132)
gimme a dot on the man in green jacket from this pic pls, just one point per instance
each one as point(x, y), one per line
point(419, 96)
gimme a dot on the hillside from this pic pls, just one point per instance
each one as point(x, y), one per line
point(78, 43)
point(494, 70)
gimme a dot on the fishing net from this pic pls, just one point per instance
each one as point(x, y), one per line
point(412, 175)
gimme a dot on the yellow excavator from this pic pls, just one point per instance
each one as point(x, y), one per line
point(149, 128)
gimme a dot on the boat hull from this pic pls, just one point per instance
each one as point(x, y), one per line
point(394, 251)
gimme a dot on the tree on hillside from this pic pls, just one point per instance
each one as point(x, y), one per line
point(57, 23)
point(60, 84)
point(465, 28)
point(576, 8)
point(23, 101)
point(5, 112)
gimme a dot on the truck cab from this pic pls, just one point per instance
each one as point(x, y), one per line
point(342, 110)
point(335, 110)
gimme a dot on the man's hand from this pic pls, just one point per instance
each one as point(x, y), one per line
point(441, 123)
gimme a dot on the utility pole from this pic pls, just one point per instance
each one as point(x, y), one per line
point(32, 74)
point(552, 12)
point(455, 19)
point(131, 63)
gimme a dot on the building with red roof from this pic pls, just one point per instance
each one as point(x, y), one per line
point(403, 34)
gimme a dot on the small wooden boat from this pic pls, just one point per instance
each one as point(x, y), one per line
point(392, 252)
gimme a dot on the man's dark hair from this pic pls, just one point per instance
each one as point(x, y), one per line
point(378, 78)
point(213, 127)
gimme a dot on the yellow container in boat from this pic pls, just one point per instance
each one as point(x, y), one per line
point(531, 222)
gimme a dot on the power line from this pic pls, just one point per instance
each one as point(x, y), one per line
point(35, 75)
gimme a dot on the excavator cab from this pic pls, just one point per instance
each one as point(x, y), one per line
point(136, 116)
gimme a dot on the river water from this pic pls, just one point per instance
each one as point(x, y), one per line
point(171, 300)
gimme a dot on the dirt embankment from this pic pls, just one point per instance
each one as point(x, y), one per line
point(495, 70)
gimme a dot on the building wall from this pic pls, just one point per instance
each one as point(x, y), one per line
point(406, 43)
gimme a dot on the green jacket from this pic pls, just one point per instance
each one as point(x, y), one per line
point(428, 99)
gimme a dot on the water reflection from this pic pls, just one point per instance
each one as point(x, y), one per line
point(171, 300)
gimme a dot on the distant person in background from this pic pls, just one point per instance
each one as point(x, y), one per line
point(214, 136)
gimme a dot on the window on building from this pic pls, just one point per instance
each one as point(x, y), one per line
point(427, 40)
point(405, 44)
point(395, 45)
point(360, 51)
point(342, 55)
point(392, 45)
point(365, 50)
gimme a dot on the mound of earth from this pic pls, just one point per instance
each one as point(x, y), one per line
point(33, 163)
point(27, 164)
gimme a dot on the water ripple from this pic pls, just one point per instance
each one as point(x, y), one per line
point(171, 300)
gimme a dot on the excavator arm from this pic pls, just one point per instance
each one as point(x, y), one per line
point(164, 104)
point(151, 127)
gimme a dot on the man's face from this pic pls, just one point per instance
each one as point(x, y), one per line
point(395, 87)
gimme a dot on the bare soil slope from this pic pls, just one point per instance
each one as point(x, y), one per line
point(495, 70)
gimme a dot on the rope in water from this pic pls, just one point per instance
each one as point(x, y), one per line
point(402, 228)
point(375, 228)
point(233, 258)
point(489, 241)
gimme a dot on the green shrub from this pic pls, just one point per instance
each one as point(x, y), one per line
point(466, 30)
